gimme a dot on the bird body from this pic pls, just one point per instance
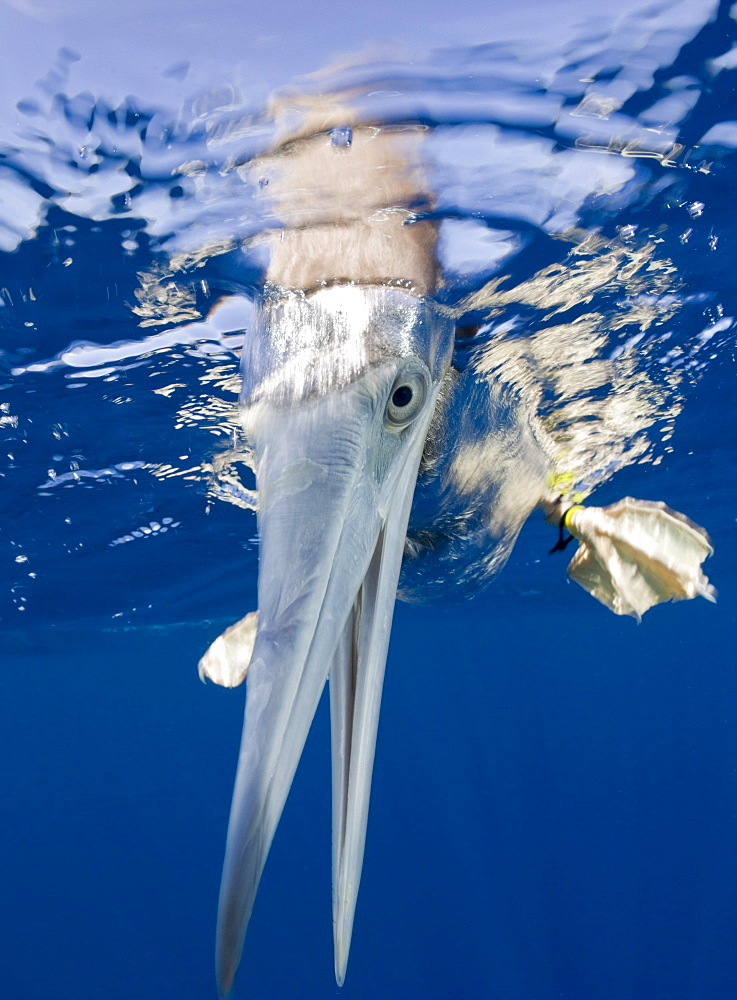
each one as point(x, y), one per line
point(375, 454)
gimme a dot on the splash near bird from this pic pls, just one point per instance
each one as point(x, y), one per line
point(371, 446)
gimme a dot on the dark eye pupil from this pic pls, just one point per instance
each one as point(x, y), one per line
point(402, 396)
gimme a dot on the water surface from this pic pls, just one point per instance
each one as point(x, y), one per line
point(554, 801)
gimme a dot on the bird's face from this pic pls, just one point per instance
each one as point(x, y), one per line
point(337, 423)
point(339, 391)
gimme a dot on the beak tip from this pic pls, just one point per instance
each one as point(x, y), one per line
point(342, 934)
point(224, 989)
point(341, 963)
point(224, 977)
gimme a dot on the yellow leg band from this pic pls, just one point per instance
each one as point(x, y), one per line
point(567, 517)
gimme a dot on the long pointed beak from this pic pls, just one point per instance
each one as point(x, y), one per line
point(335, 487)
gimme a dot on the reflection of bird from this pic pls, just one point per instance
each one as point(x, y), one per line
point(351, 400)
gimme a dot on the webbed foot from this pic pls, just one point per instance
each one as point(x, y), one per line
point(634, 554)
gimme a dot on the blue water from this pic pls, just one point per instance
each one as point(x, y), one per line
point(554, 810)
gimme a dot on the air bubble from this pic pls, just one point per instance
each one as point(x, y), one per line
point(342, 137)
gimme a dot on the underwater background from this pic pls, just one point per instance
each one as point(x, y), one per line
point(554, 808)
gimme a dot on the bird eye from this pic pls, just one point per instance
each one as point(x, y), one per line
point(405, 401)
point(402, 396)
